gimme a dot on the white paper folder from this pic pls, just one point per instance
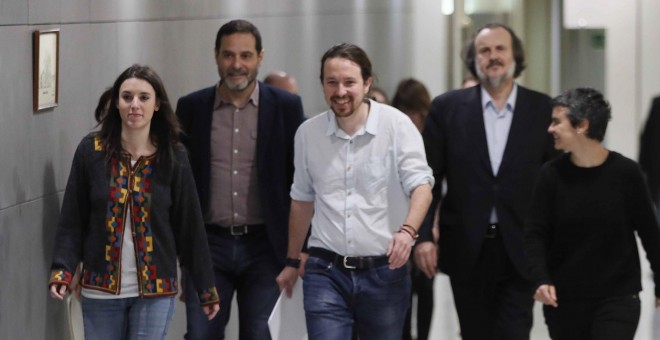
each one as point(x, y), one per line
point(287, 320)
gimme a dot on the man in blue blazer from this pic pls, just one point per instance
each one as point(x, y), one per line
point(239, 134)
point(488, 142)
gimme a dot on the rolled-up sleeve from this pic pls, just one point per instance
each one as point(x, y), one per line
point(301, 189)
point(411, 158)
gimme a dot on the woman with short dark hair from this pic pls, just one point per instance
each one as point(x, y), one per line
point(580, 235)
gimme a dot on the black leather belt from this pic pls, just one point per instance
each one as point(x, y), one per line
point(349, 262)
point(492, 231)
point(238, 230)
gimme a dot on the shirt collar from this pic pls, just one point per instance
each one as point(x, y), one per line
point(369, 127)
point(254, 96)
point(486, 99)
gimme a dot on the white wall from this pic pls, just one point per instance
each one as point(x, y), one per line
point(631, 59)
point(648, 73)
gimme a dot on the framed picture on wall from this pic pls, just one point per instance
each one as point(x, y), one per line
point(45, 69)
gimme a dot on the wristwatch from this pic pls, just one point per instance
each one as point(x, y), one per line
point(293, 263)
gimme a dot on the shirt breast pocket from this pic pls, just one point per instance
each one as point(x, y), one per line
point(374, 174)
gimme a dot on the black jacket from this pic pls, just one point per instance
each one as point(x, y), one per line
point(166, 221)
point(457, 150)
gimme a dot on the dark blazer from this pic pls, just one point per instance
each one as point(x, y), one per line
point(280, 114)
point(649, 150)
point(457, 150)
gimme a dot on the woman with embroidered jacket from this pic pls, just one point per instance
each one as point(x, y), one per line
point(130, 210)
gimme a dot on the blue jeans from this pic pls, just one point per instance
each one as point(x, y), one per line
point(245, 265)
point(128, 318)
point(374, 301)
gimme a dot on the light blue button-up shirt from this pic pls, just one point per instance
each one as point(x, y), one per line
point(497, 124)
point(360, 184)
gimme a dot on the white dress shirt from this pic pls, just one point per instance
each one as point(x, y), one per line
point(360, 184)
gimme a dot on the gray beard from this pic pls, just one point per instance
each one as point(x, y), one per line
point(495, 82)
point(240, 86)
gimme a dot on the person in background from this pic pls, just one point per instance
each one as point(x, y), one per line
point(413, 99)
point(239, 134)
point(580, 235)
point(361, 177)
point(470, 81)
point(649, 161)
point(130, 210)
point(649, 151)
point(103, 105)
point(282, 80)
point(378, 95)
point(488, 141)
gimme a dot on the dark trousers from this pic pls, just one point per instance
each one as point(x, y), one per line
point(422, 286)
point(245, 265)
point(611, 318)
point(495, 302)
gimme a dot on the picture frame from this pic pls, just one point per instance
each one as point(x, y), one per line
point(45, 69)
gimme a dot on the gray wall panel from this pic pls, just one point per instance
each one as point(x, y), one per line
point(15, 113)
point(74, 11)
point(102, 45)
point(13, 12)
point(130, 10)
point(141, 42)
point(44, 11)
point(26, 243)
point(189, 57)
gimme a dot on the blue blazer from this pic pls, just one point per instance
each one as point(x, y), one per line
point(280, 114)
point(457, 150)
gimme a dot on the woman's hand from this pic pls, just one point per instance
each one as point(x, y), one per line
point(58, 291)
point(211, 310)
point(547, 295)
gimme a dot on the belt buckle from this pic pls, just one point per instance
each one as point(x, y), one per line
point(238, 230)
point(346, 264)
point(491, 232)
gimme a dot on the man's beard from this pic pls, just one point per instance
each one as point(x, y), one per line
point(495, 82)
point(239, 86)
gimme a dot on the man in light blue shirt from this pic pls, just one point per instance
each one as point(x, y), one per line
point(488, 142)
point(362, 180)
point(497, 124)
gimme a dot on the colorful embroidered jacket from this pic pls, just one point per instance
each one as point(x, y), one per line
point(166, 220)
